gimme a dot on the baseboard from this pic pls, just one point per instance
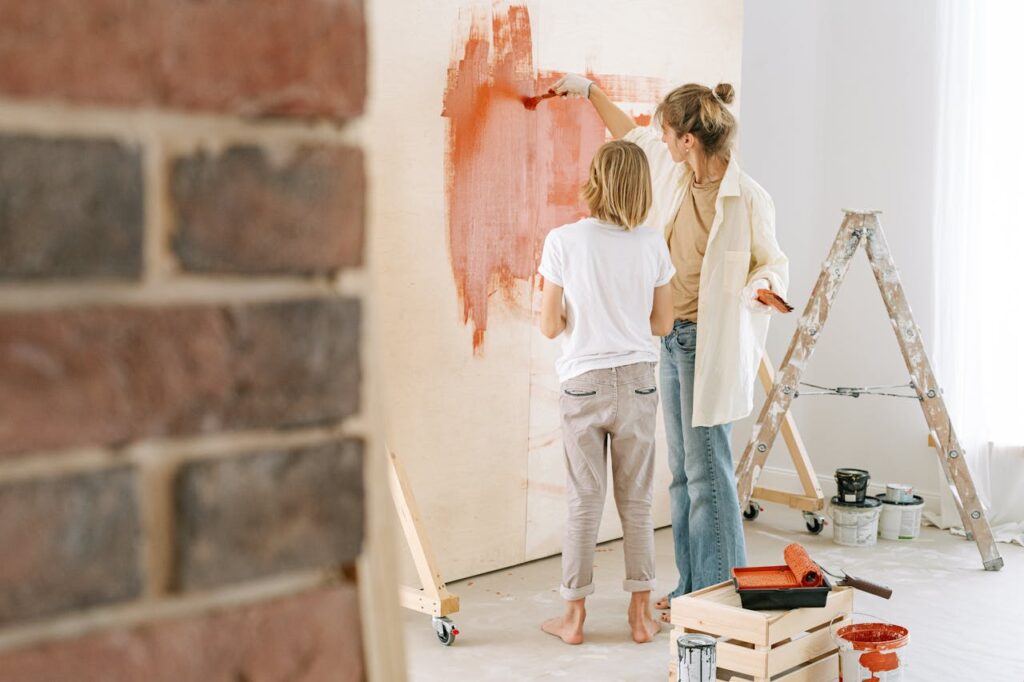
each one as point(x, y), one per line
point(787, 479)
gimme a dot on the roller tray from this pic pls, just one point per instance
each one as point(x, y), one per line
point(782, 598)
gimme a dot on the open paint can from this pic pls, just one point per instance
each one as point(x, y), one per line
point(900, 520)
point(871, 652)
point(855, 525)
point(852, 485)
point(899, 492)
point(696, 658)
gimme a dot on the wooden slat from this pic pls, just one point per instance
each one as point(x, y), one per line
point(717, 610)
point(741, 659)
point(418, 600)
point(434, 595)
point(785, 624)
point(795, 445)
point(826, 669)
point(807, 648)
point(791, 500)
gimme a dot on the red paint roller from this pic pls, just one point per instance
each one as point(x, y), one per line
point(799, 571)
point(800, 562)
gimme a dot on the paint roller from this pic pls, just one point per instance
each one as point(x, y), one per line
point(809, 573)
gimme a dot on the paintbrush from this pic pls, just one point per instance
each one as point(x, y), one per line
point(859, 583)
point(771, 299)
point(532, 102)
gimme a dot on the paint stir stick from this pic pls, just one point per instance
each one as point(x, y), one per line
point(532, 102)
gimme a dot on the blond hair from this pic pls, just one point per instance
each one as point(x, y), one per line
point(618, 189)
point(700, 111)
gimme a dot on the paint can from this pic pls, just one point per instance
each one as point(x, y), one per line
point(852, 485)
point(900, 520)
point(855, 525)
point(696, 658)
point(899, 492)
point(872, 652)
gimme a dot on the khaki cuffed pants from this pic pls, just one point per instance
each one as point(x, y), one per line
point(609, 411)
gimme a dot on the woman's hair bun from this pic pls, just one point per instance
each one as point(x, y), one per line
point(725, 92)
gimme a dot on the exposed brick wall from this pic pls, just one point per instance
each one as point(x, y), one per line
point(240, 212)
point(305, 638)
point(267, 512)
point(108, 376)
point(70, 542)
point(69, 209)
point(182, 337)
point(257, 58)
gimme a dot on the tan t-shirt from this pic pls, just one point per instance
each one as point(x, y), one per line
point(687, 245)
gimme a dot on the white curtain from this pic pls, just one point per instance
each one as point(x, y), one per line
point(979, 247)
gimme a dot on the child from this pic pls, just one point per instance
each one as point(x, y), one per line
point(614, 278)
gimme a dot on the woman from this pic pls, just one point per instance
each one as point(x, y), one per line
point(720, 228)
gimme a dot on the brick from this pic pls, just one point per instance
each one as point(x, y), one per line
point(237, 212)
point(269, 512)
point(69, 209)
point(69, 543)
point(107, 376)
point(270, 58)
point(309, 637)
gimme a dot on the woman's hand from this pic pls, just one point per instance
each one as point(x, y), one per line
point(615, 119)
point(759, 298)
point(573, 85)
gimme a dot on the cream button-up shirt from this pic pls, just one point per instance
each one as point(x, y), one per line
point(741, 248)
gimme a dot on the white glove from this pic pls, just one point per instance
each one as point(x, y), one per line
point(749, 296)
point(573, 85)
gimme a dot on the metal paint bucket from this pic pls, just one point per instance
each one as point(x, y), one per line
point(871, 652)
point(855, 525)
point(852, 485)
point(899, 492)
point(900, 520)
point(696, 658)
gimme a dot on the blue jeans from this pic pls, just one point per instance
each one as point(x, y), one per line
point(706, 522)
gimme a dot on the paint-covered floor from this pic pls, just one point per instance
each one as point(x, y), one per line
point(965, 624)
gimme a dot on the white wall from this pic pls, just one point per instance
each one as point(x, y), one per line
point(839, 111)
point(479, 431)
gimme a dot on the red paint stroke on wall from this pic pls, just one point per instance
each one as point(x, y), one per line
point(512, 174)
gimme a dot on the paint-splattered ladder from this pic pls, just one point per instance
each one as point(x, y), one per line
point(862, 227)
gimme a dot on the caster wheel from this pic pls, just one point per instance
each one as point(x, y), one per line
point(815, 524)
point(753, 511)
point(445, 630)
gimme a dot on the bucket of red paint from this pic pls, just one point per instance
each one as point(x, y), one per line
point(871, 652)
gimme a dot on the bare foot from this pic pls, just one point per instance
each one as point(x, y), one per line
point(641, 622)
point(568, 627)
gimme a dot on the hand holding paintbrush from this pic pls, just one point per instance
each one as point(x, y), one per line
point(532, 102)
point(772, 300)
point(759, 298)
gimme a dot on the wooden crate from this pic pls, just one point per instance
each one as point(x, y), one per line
point(763, 646)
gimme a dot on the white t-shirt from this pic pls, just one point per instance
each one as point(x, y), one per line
point(608, 275)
